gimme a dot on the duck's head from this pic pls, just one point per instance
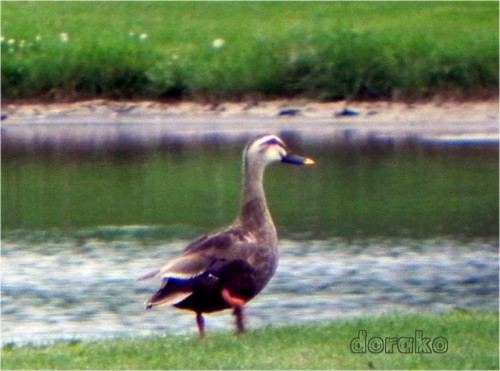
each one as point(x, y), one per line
point(269, 149)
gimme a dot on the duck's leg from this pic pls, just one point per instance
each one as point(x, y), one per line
point(240, 319)
point(200, 321)
point(237, 304)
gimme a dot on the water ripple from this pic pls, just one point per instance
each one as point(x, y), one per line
point(67, 288)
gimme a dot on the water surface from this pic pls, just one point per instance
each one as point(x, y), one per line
point(373, 227)
point(377, 189)
point(85, 287)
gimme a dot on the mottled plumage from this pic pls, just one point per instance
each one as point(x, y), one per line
point(228, 268)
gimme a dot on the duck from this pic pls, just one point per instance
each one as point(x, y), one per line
point(227, 268)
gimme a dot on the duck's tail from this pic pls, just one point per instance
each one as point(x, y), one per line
point(172, 291)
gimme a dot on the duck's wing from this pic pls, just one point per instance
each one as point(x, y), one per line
point(229, 244)
point(177, 276)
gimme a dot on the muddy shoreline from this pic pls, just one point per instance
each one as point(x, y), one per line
point(107, 124)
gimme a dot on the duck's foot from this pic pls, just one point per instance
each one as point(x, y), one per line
point(200, 321)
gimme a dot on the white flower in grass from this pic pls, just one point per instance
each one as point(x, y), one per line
point(218, 43)
point(38, 38)
point(143, 36)
point(63, 37)
point(2, 39)
point(11, 43)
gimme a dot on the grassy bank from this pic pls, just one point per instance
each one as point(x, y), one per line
point(471, 340)
point(333, 50)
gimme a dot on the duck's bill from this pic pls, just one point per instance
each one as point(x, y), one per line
point(297, 160)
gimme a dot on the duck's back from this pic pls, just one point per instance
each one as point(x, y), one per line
point(232, 259)
point(241, 263)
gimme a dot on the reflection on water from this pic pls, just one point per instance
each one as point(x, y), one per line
point(84, 287)
point(377, 189)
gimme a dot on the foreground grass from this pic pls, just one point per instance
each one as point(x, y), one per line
point(472, 340)
point(328, 50)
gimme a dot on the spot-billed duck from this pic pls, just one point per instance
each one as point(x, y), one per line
point(229, 267)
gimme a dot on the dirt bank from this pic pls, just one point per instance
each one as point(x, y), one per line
point(445, 112)
point(103, 122)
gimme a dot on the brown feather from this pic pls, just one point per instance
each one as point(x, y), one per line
point(172, 291)
point(228, 244)
point(149, 275)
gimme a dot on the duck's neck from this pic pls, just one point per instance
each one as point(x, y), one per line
point(255, 217)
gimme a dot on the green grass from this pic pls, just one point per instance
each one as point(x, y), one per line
point(472, 339)
point(327, 50)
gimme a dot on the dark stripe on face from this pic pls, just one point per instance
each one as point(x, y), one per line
point(273, 141)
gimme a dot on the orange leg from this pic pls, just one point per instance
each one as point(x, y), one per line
point(200, 321)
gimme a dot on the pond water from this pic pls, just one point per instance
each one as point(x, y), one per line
point(375, 189)
point(83, 288)
point(372, 228)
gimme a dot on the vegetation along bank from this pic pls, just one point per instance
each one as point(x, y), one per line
point(67, 51)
